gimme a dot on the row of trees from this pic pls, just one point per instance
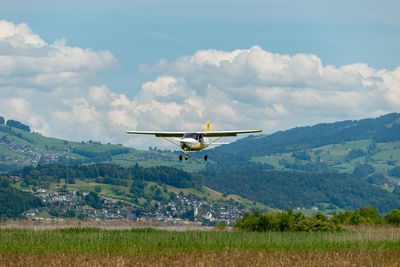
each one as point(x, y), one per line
point(297, 221)
point(15, 124)
point(109, 174)
point(286, 221)
point(100, 156)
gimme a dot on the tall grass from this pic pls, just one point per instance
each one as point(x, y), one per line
point(224, 258)
point(148, 241)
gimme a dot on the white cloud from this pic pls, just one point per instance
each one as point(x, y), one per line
point(254, 88)
point(54, 88)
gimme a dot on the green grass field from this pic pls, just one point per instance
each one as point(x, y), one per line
point(146, 246)
point(151, 241)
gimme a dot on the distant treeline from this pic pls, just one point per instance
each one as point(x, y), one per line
point(297, 221)
point(15, 124)
point(109, 174)
point(100, 156)
point(281, 189)
point(278, 189)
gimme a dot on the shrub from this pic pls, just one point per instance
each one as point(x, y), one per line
point(220, 226)
point(393, 217)
point(313, 224)
point(285, 221)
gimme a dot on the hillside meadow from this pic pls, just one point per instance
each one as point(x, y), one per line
point(366, 246)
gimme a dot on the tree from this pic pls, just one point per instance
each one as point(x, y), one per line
point(19, 125)
point(355, 153)
point(54, 212)
point(370, 215)
point(69, 214)
point(4, 182)
point(395, 171)
point(93, 200)
point(302, 155)
point(97, 189)
point(362, 170)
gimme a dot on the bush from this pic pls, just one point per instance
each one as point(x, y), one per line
point(393, 217)
point(285, 221)
point(313, 224)
point(221, 226)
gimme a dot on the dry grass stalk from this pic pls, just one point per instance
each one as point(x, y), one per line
point(225, 258)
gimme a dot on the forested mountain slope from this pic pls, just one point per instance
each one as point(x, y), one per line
point(280, 189)
point(13, 202)
point(382, 129)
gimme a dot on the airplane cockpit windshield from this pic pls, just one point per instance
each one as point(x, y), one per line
point(190, 135)
point(193, 135)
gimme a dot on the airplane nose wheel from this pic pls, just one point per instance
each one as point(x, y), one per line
point(205, 158)
point(186, 157)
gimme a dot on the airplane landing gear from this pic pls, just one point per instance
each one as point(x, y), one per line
point(186, 156)
point(205, 158)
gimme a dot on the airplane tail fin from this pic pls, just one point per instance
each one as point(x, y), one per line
point(208, 126)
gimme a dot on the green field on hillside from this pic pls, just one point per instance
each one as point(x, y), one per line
point(382, 156)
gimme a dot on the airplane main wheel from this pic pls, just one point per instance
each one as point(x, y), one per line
point(205, 158)
point(186, 157)
point(180, 157)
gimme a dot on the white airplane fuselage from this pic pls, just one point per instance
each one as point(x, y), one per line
point(190, 144)
point(193, 141)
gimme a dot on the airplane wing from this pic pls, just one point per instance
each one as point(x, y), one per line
point(205, 133)
point(227, 133)
point(158, 134)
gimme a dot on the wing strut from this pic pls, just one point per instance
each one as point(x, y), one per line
point(169, 140)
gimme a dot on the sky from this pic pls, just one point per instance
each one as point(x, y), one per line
point(90, 70)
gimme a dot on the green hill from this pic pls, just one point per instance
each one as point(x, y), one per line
point(381, 130)
point(358, 159)
point(368, 148)
point(19, 148)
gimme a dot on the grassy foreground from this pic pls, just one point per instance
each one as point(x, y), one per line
point(224, 258)
point(92, 246)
